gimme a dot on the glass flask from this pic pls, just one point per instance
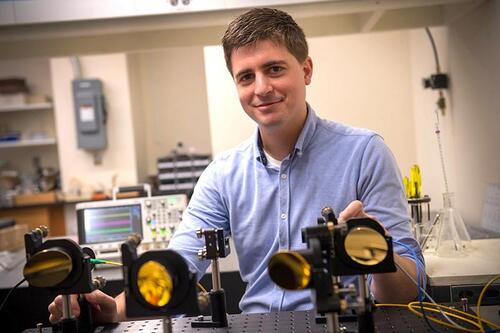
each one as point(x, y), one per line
point(452, 237)
point(429, 235)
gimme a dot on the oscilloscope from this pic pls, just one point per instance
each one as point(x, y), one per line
point(104, 225)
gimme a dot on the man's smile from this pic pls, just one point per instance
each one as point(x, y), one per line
point(267, 104)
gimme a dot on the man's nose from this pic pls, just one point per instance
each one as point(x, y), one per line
point(263, 85)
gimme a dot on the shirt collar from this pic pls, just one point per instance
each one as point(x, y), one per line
point(303, 141)
point(259, 149)
point(308, 130)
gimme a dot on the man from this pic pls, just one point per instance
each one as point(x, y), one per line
point(271, 186)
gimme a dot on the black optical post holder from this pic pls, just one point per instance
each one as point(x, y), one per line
point(326, 253)
point(79, 281)
point(216, 246)
point(342, 264)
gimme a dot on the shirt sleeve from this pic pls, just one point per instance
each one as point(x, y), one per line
point(205, 210)
point(380, 188)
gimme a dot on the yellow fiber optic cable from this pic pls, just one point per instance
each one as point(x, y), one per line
point(440, 322)
point(463, 313)
point(415, 305)
point(201, 287)
point(454, 313)
point(107, 262)
point(480, 299)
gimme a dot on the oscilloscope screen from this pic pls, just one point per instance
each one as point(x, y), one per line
point(110, 224)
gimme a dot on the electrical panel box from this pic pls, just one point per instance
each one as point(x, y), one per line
point(90, 114)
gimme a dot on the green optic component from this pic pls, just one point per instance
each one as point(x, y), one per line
point(106, 262)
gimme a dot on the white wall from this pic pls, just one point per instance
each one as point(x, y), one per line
point(139, 118)
point(172, 105)
point(474, 53)
point(229, 125)
point(364, 80)
point(119, 157)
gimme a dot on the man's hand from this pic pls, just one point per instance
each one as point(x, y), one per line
point(382, 285)
point(355, 209)
point(104, 307)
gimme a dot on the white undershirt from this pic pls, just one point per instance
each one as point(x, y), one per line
point(272, 160)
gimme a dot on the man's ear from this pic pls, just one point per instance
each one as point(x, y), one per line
point(307, 66)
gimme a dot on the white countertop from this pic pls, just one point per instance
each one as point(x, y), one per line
point(478, 266)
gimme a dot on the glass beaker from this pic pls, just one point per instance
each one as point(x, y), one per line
point(452, 238)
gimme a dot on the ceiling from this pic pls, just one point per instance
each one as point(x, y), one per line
point(204, 27)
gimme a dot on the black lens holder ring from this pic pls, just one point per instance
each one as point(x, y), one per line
point(78, 259)
point(343, 264)
point(176, 267)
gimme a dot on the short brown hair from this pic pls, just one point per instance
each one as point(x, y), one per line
point(261, 24)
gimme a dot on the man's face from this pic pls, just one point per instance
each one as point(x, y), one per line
point(271, 84)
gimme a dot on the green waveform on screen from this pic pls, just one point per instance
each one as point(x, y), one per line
point(110, 231)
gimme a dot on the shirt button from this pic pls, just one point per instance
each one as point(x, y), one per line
point(283, 216)
point(283, 176)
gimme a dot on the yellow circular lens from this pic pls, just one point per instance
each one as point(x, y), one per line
point(155, 283)
point(366, 246)
point(289, 270)
point(48, 268)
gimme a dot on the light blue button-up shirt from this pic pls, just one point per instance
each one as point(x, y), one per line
point(265, 207)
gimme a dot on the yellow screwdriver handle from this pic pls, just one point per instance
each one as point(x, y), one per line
point(415, 182)
point(406, 183)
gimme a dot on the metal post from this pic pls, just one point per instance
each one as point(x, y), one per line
point(364, 311)
point(363, 288)
point(332, 322)
point(66, 307)
point(167, 325)
point(215, 274)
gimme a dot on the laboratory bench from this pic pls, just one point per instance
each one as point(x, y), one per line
point(449, 279)
point(28, 306)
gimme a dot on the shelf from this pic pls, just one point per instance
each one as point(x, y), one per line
point(28, 143)
point(26, 107)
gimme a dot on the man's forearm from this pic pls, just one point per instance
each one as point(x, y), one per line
point(396, 287)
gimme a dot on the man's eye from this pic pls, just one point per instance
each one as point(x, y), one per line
point(275, 69)
point(245, 78)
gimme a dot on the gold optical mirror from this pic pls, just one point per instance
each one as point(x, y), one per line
point(365, 246)
point(289, 270)
point(155, 283)
point(48, 268)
